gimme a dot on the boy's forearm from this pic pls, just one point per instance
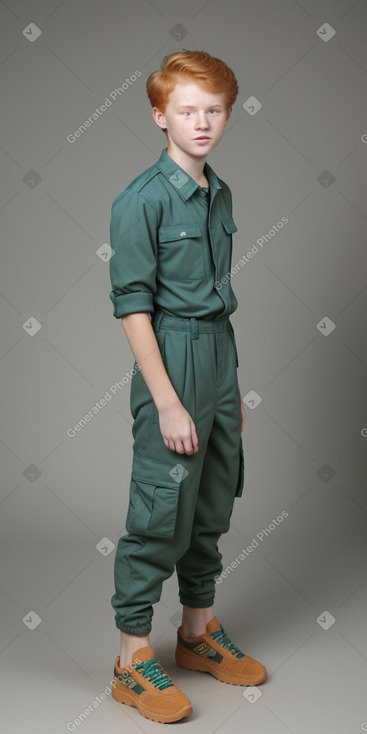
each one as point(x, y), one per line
point(141, 337)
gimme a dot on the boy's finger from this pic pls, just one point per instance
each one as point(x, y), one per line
point(187, 446)
point(180, 447)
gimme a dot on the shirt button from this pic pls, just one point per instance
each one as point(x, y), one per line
point(183, 234)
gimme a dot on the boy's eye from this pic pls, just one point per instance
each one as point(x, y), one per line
point(189, 112)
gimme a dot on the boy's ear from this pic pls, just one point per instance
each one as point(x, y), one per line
point(159, 118)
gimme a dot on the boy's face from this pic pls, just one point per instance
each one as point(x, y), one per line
point(195, 120)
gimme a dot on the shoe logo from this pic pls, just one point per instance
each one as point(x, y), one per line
point(202, 649)
point(208, 652)
point(127, 680)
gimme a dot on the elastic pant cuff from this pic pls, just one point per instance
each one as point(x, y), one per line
point(140, 630)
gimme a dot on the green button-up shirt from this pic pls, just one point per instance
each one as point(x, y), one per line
point(172, 247)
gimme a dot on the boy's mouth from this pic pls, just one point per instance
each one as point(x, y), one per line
point(202, 137)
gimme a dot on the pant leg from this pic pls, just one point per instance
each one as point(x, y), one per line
point(202, 370)
point(145, 557)
point(221, 475)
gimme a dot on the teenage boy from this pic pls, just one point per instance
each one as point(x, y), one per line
point(171, 232)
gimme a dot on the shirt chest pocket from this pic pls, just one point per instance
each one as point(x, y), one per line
point(180, 253)
point(229, 226)
point(225, 261)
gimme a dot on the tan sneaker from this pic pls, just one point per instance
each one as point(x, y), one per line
point(145, 685)
point(214, 653)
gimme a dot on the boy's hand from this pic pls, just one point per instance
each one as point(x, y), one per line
point(178, 429)
point(243, 416)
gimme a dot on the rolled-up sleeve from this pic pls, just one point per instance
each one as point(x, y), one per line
point(133, 265)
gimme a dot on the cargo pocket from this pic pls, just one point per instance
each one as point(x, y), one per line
point(241, 473)
point(154, 492)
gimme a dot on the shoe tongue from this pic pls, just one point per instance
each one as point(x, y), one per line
point(213, 625)
point(143, 654)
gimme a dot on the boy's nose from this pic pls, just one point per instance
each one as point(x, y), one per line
point(201, 121)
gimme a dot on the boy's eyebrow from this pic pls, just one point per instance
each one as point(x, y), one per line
point(191, 107)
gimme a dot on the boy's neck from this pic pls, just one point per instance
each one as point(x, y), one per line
point(193, 166)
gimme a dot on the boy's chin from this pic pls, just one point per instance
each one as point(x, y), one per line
point(203, 149)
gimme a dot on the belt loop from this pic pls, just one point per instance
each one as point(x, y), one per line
point(194, 328)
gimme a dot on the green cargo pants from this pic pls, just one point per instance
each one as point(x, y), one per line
point(181, 504)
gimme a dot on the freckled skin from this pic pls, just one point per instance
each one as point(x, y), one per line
point(207, 116)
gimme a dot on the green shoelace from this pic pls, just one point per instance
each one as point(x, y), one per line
point(221, 638)
point(153, 670)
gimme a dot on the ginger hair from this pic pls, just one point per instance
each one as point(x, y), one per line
point(197, 67)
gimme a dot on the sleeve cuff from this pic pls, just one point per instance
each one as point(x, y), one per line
point(131, 303)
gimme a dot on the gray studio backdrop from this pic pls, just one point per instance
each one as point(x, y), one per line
point(76, 128)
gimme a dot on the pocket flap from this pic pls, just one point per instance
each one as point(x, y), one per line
point(154, 495)
point(229, 226)
point(157, 472)
point(178, 232)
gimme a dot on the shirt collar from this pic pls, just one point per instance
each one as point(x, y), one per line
point(182, 181)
